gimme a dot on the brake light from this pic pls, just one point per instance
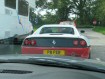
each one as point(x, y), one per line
point(82, 43)
point(33, 42)
point(27, 42)
point(75, 42)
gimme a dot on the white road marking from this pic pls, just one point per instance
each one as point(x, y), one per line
point(98, 59)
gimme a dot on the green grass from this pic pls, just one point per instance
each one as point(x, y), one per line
point(84, 26)
point(99, 29)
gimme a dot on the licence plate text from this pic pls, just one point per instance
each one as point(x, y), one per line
point(54, 52)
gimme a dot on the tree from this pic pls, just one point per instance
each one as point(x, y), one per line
point(100, 11)
point(50, 18)
point(62, 7)
point(83, 9)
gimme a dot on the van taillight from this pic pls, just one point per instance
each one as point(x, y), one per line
point(26, 42)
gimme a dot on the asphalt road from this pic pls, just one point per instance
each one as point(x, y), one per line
point(97, 41)
point(10, 49)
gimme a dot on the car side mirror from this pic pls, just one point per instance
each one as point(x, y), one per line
point(82, 31)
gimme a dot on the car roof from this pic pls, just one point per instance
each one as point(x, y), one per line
point(58, 25)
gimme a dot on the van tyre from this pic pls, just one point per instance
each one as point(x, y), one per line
point(89, 56)
point(15, 41)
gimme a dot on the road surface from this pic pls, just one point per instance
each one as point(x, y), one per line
point(97, 41)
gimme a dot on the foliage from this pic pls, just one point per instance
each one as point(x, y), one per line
point(50, 19)
point(85, 10)
point(62, 7)
point(85, 26)
point(100, 29)
point(100, 11)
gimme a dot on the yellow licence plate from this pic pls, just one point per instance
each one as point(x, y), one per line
point(54, 52)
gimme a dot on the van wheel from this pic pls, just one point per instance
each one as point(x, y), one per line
point(89, 56)
point(15, 41)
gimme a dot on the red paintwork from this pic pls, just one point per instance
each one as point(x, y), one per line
point(79, 52)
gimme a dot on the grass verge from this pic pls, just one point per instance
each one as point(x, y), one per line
point(99, 29)
point(84, 26)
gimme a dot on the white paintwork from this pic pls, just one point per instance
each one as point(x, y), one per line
point(9, 22)
point(76, 33)
point(57, 36)
point(58, 25)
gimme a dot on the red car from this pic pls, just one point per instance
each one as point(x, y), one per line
point(63, 40)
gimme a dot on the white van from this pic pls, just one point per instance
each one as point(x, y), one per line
point(14, 18)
